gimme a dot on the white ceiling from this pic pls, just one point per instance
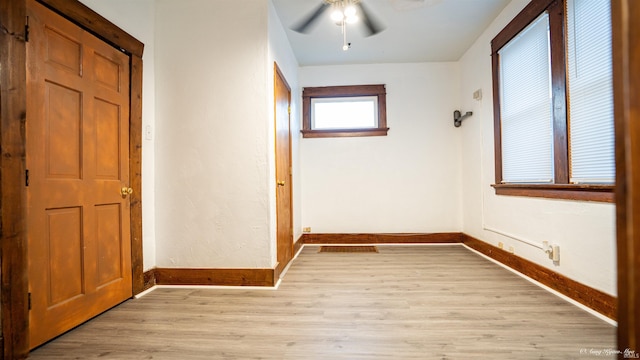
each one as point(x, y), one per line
point(415, 31)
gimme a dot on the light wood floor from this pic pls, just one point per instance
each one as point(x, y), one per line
point(405, 302)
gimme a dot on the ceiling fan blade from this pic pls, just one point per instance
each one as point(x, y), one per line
point(372, 25)
point(304, 26)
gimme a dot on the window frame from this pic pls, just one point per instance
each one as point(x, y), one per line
point(561, 187)
point(377, 90)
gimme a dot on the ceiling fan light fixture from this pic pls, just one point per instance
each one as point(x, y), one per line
point(337, 15)
point(349, 11)
point(343, 13)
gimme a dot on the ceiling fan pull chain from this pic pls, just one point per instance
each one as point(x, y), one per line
point(345, 46)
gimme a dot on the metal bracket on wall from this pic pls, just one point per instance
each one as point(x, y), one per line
point(458, 117)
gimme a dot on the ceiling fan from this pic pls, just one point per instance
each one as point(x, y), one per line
point(352, 11)
point(344, 12)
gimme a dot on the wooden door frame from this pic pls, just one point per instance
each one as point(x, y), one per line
point(13, 82)
point(626, 82)
point(277, 73)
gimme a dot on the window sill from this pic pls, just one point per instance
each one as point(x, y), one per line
point(344, 133)
point(599, 193)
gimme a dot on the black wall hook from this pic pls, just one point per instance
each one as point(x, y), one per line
point(458, 117)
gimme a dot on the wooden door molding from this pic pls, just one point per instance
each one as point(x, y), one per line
point(14, 281)
point(135, 172)
point(626, 77)
point(13, 105)
point(89, 20)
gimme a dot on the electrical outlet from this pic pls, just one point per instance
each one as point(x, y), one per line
point(500, 245)
point(555, 254)
point(306, 229)
point(548, 249)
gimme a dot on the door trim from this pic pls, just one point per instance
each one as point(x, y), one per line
point(626, 76)
point(14, 280)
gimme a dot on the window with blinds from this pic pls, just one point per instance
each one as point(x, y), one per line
point(552, 69)
point(590, 89)
point(527, 131)
point(553, 109)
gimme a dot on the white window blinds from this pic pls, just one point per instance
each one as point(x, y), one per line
point(590, 88)
point(525, 106)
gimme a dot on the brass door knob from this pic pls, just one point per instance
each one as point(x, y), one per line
point(280, 183)
point(126, 191)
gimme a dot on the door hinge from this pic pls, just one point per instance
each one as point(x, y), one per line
point(29, 301)
point(26, 31)
point(26, 177)
point(289, 110)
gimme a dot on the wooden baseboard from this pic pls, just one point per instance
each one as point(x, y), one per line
point(280, 267)
point(397, 238)
point(222, 277)
point(149, 279)
point(298, 244)
point(597, 300)
point(278, 270)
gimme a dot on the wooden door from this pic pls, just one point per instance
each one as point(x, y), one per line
point(77, 134)
point(283, 170)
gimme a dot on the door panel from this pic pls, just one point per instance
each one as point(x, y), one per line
point(109, 266)
point(108, 142)
point(62, 137)
point(63, 52)
point(65, 255)
point(78, 224)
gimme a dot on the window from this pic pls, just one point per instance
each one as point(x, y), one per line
point(359, 112)
point(590, 82)
point(553, 102)
point(337, 111)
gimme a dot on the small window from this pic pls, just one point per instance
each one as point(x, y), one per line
point(344, 113)
point(337, 111)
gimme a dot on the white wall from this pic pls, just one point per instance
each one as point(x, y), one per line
point(585, 231)
point(226, 220)
point(408, 181)
point(212, 158)
point(137, 17)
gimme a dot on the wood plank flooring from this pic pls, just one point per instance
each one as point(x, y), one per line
point(405, 302)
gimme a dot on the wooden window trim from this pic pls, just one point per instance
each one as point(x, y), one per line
point(561, 189)
point(344, 91)
point(581, 192)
